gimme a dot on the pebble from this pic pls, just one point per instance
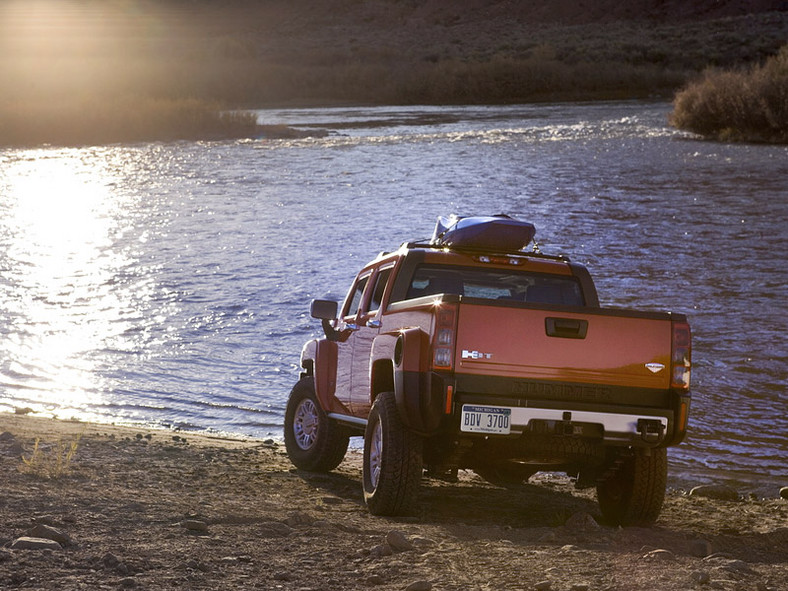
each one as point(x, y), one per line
point(784, 492)
point(659, 554)
point(398, 541)
point(28, 543)
point(297, 518)
point(543, 586)
point(582, 521)
point(700, 548)
point(195, 525)
point(381, 550)
point(719, 492)
point(274, 529)
point(701, 577)
point(284, 576)
point(419, 586)
point(375, 580)
point(735, 566)
point(110, 560)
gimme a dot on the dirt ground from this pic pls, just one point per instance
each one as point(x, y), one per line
point(139, 509)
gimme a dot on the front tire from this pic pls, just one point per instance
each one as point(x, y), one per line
point(313, 441)
point(393, 461)
point(634, 493)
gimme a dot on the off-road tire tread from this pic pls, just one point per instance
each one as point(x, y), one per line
point(401, 465)
point(331, 446)
point(642, 480)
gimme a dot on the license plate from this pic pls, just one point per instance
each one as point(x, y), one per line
point(486, 419)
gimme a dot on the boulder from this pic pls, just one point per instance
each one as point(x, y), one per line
point(50, 533)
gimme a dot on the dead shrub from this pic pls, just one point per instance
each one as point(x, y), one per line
point(746, 105)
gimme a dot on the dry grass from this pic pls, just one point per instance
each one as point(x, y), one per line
point(50, 462)
point(740, 105)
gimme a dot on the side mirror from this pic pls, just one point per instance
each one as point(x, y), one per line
point(323, 309)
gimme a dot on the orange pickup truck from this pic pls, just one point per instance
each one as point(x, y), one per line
point(468, 352)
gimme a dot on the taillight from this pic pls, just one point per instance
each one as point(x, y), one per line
point(443, 337)
point(681, 356)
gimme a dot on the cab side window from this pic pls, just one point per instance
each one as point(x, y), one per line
point(380, 287)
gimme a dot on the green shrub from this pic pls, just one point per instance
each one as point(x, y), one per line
point(749, 105)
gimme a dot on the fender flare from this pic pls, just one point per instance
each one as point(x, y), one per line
point(420, 408)
point(319, 359)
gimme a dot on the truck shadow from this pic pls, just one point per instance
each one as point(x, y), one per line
point(472, 501)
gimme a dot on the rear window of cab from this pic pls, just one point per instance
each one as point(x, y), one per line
point(495, 284)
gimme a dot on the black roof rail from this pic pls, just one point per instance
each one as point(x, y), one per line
point(481, 251)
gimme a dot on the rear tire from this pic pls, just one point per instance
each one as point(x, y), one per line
point(313, 441)
point(634, 494)
point(393, 461)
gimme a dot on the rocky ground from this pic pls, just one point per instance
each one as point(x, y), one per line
point(114, 507)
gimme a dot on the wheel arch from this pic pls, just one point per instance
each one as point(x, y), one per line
point(319, 360)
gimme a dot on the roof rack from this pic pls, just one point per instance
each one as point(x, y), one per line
point(533, 253)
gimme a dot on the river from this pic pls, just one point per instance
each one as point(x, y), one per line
point(167, 284)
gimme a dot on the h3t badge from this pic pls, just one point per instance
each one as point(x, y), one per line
point(475, 355)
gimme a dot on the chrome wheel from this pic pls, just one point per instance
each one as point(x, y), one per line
point(305, 424)
point(313, 441)
point(375, 455)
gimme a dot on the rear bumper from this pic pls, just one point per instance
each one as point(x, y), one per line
point(612, 415)
point(641, 429)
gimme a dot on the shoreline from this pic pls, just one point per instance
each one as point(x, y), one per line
point(680, 480)
point(140, 508)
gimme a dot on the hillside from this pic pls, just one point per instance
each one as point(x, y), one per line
point(68, 67)
point(245, 52)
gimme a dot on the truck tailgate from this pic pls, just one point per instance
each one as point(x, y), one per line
point(588, 346)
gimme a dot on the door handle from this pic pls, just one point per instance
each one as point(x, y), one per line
point(566, 328)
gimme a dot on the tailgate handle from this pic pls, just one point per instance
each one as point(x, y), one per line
point(566, 328)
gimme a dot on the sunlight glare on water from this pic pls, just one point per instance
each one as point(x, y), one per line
point(61, 306)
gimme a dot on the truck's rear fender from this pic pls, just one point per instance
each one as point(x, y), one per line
point(319, 359)
point(419, 403)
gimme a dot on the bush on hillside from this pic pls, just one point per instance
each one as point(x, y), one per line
point(749, 105)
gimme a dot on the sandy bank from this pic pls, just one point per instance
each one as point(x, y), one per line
point(160, 510)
